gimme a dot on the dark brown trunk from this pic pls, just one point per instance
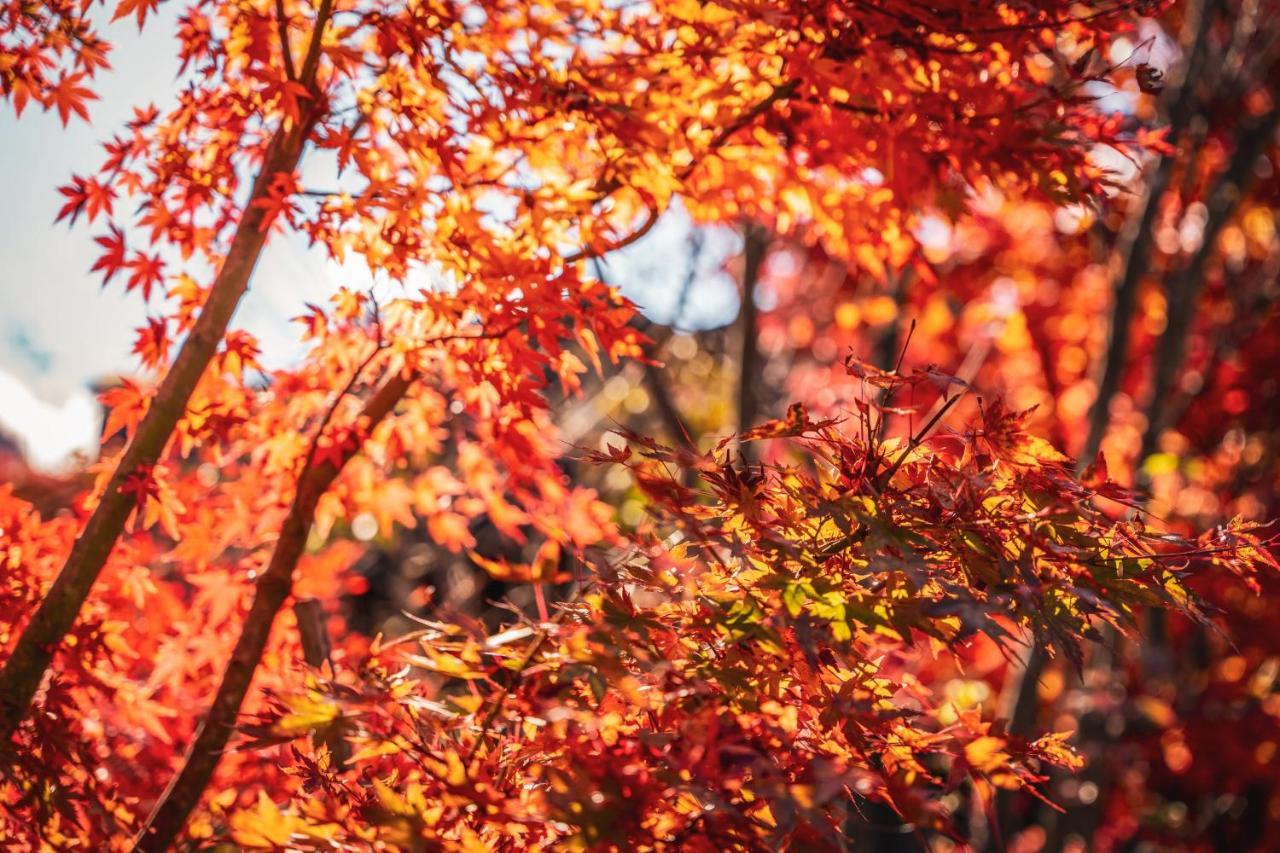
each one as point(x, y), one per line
point(26, 666)
point(1137, 237)
point(24, 670)
point(273, 588)
point(755, 247)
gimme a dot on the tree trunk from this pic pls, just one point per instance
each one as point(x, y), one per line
point(273, 588)
point(1136, 241)
point(25, 668)
point(755, 247)
point(1137, 237)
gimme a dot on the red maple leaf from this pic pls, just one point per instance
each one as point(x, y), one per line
point(111, 260)
point(147, 272)
point(68, 97)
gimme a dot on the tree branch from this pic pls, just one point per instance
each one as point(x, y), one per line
point(1183, 291)
point(312, 60)
point(282, 27)
point(1137, 238)
point(272, 589)
point(779, 93)
point(920, 436)
point(755, 248)
point(26, 666)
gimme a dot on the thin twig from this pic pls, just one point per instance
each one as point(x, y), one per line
point(919, 437)
point(312, 60)
point(499, 701)
point(282, 26)
point(779, 93)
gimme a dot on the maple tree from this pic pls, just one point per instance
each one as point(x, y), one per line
point(784, 646)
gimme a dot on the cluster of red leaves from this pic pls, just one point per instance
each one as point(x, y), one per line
point(146, 655)
point(1020, 294)
point(782, 112)
point(760, 659)
point(745, 673)
point(49, 53)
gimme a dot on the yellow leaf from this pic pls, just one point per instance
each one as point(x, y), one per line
point(306, 713)
point(986, 753)
point(445, 664)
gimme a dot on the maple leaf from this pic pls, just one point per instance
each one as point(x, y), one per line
point(125, 405)
point(190, 297)
point(240, 352)
point(85, 194)
point(1154, 139)
point(334, 447)
point(112, 260)
point(138, 8)
point(152, 342)
point(266, 826)
point(77, 196)
point(797, 422)
point(315, 321)
point(463, 665)
point(1053, 747)
point(278, 202)
point(141, 486)
point(306, 713)
point(146, 272)
point(292, 95)
point(450, 530)
point(68, 97)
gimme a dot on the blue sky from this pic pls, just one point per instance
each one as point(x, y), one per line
point(60, 331)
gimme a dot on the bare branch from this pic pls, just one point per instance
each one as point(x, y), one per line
point(282, 27)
